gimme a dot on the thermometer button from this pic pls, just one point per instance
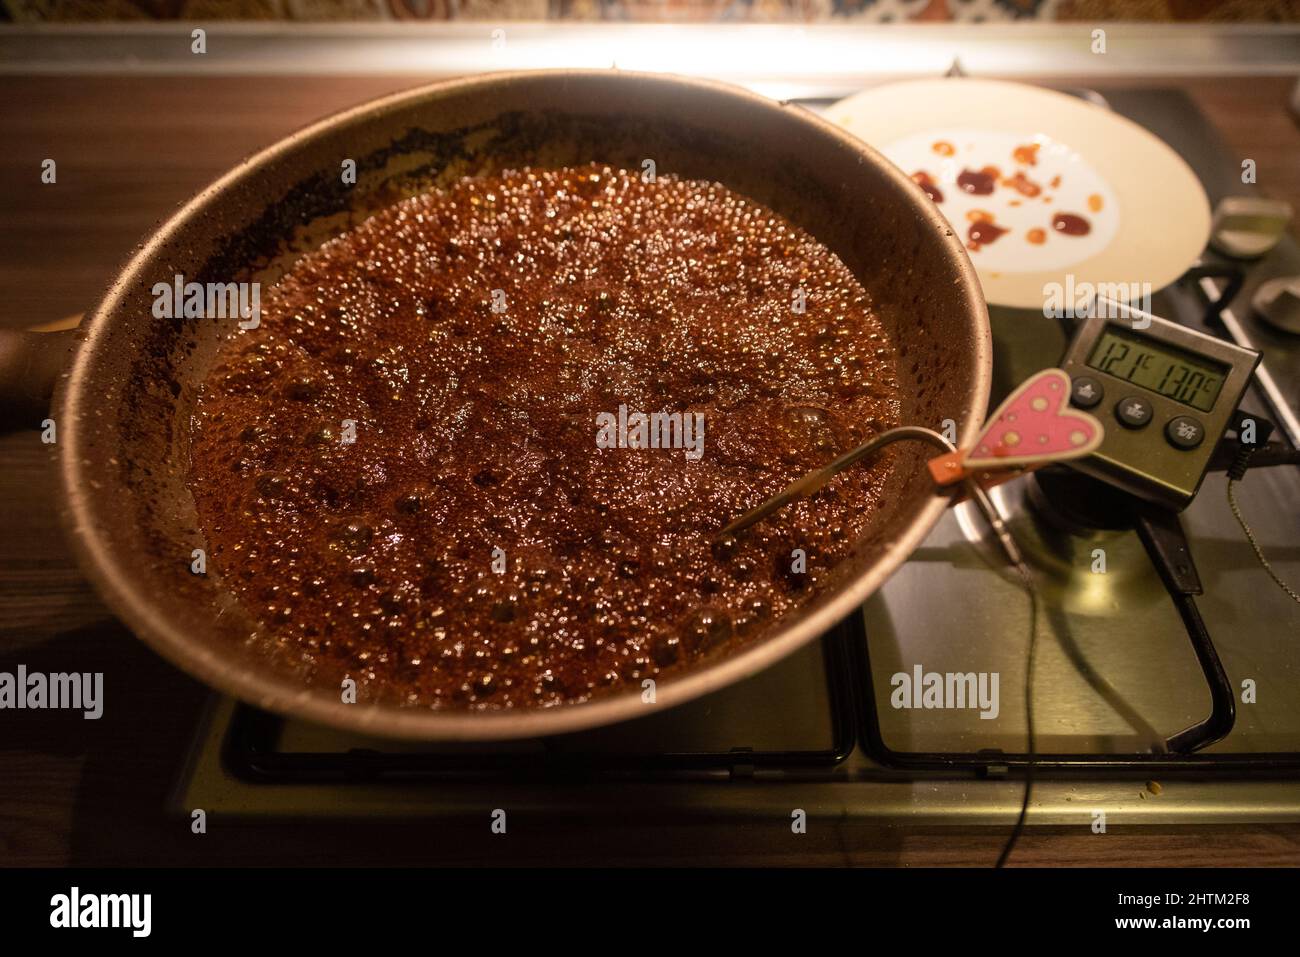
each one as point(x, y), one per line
point(1185, 432)
point(1085, 392)
point(1133, 411)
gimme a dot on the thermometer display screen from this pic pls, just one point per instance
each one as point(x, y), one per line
point(1182, 376)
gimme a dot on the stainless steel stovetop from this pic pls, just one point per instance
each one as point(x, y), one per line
point(1115, 669)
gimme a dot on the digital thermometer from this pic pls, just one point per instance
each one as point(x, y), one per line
point(1164, 393)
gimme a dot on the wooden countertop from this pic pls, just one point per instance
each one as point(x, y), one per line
point(129, 150)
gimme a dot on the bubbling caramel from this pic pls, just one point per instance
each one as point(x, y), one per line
point(397, 472)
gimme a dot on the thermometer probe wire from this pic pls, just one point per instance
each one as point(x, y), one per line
point(1254, 543)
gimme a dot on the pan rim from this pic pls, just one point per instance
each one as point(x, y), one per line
point(273, 691)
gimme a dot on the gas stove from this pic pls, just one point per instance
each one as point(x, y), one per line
point(842, 730)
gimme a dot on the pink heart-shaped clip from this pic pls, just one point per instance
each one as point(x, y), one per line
point(1035, 425)
point(1032, 427)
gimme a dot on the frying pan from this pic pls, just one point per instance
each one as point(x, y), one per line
point(123, 406)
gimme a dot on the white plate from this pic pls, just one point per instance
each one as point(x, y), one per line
point(1146, 214)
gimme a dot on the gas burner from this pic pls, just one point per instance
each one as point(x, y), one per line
point(1084, 568)
point(1079, 504)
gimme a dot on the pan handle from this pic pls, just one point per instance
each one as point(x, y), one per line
point(31, 362)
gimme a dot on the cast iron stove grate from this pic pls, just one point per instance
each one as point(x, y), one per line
point(252, 750)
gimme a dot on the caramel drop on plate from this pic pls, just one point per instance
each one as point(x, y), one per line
point(1071, 224)
point(1026, 155)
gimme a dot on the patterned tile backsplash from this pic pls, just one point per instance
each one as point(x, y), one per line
point(653, 11)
